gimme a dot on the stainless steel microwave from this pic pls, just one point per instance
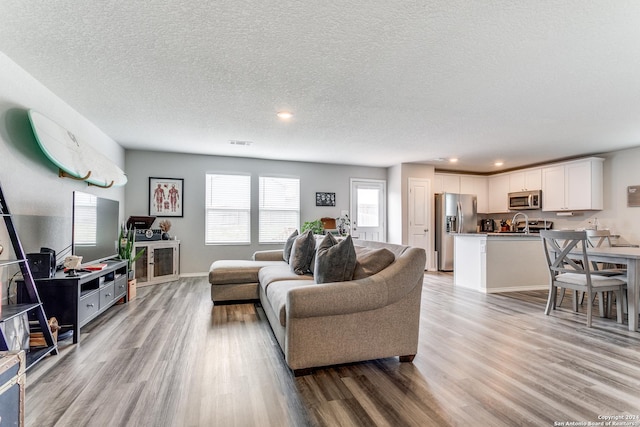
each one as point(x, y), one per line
point(525, 200)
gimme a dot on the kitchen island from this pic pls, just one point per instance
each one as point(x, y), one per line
point(499, 262)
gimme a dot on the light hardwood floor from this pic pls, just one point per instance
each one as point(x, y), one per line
point(170, 358)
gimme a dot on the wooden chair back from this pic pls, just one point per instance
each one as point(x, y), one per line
point(599, 238)
point(557, 248)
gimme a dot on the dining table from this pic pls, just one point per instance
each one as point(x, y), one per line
point(629, 256)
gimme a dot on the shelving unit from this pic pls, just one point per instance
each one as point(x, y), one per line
point(31, 304)
point(159, 263)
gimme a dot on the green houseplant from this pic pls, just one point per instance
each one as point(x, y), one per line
point(126, 250)
point(316, 226)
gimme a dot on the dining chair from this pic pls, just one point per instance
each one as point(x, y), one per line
point(578, 297)
point(599, 238)
point(569, 268)
point(602, 239)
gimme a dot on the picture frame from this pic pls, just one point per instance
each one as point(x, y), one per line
point(166, 197)
point(325, 199)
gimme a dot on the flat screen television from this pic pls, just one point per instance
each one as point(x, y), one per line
point(95, 227)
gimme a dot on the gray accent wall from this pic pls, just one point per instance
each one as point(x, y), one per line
point(195, 256)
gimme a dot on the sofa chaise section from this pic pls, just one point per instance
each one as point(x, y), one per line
point(237, 280)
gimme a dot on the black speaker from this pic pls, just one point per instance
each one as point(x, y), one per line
point(48, 250)
point(43, 265)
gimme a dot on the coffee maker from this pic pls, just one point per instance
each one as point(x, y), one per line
point(487, 226)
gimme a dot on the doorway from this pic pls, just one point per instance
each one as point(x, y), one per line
point(369, 209)
point(419, 216)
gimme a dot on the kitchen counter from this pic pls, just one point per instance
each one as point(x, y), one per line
point(503, 234)
point(499, 262)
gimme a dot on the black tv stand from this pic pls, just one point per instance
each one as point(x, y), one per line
point(76, 300)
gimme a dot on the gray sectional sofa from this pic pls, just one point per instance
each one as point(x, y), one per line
point(374, 315)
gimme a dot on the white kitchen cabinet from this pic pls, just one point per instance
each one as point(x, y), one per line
point(478, 185)
point(464, 184)
point(526, 180)
point(498, 193)
point(576, 185)
point(446, 183)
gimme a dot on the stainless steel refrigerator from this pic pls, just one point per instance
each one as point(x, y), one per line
point(455, 213)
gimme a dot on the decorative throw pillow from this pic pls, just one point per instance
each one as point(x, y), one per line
point(286, 253)
point(301, 252)
point(335, 261)
point(312, 264)
point(371, 261)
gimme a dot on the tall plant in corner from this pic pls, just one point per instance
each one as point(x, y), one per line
point(127, 245)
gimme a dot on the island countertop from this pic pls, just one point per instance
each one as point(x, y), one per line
point(499, 262)
point(502, 234)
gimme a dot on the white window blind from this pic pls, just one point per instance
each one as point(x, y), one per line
point(85, 222)
point(279, 208)
point(228, 209)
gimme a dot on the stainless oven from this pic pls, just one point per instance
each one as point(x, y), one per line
point(525, 200)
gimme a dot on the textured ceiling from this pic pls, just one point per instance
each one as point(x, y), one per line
point(371, 83)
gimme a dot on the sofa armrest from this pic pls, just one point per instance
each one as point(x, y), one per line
point(331, 299)
point(385, 288)
point(271, 255)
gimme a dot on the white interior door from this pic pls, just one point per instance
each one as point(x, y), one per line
point(368, 209)
point(420, 215)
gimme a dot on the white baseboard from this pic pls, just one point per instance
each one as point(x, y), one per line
point(518, 288)
point(204, 274)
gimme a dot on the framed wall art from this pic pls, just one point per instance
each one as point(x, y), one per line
point(166, 196)
point(325, 199)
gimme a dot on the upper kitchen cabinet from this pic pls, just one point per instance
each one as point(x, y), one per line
point(498, 193)
point(576, 185)
point(464, 184)
point(471, 184)
point(526, 180)
point(446, 183)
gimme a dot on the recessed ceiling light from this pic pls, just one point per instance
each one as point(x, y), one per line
point(453, 160)
point(498, 163)
point(284, 115)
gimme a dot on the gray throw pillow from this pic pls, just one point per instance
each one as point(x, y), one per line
point(371, 261)
point(335, 261)
point(301, 252)
point(286, 253)
point(312, 264)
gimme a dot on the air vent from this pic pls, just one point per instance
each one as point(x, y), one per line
point(237, 142)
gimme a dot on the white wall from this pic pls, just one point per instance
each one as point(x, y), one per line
point(195, 256)
point(620, 171)
point(40, 201)
point(398, 206)
point(395, 205)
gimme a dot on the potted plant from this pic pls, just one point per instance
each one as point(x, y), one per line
point(315, 226)
point(344, 224)
point(127, 245)
point(165, 226)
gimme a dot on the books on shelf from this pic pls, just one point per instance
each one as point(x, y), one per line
point(95, 267)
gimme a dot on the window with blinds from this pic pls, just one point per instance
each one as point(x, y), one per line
point(228, 209)
point(85, 221)
point(279, 208)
